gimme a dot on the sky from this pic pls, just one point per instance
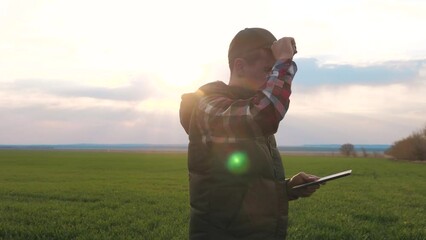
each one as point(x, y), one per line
point(113, 72)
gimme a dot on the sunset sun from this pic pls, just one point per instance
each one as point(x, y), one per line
point(182, 74)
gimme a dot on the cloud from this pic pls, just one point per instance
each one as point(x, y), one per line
point(357, 111)
point(44, 125)
point(39, 111)
point(329, 111)
point(312, 73)
point(134, 90)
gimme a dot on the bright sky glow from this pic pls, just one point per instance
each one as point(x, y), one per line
point(114, 71)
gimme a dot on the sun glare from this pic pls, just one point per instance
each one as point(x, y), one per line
point(181, 74)
point(238, 163)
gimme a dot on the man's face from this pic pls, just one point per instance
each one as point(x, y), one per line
point(256, 72)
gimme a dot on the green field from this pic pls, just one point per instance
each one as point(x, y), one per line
point(130, 195)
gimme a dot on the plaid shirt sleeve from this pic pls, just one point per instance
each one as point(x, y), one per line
point(226, 120)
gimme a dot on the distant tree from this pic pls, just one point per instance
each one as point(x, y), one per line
point(364, 152)
point(347, 149)
point(411, 148)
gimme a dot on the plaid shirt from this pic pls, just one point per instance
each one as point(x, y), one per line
point(223, 117)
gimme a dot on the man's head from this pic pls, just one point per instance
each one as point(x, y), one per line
point(250, 57)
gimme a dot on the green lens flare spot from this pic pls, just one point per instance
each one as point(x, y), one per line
point(237, 163)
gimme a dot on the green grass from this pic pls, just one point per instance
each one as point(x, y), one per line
point(382, 199)
point(129, 195)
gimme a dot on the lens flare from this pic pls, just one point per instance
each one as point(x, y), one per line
point(237, 163)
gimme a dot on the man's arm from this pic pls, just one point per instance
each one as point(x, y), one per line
point(223, 117)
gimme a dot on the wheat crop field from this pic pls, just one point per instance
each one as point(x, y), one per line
point(144, 195)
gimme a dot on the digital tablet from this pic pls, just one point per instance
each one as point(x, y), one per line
point(325, 179)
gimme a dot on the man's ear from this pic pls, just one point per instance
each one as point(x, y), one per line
point(239, 65)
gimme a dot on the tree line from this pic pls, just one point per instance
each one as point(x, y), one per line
point(412, 148)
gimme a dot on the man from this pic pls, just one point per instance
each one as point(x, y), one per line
point(237, 184)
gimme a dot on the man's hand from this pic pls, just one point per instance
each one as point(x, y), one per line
point(284, 49)
point(298, 179)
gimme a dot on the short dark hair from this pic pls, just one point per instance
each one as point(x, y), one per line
point(246, 43)
point(252, 56)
